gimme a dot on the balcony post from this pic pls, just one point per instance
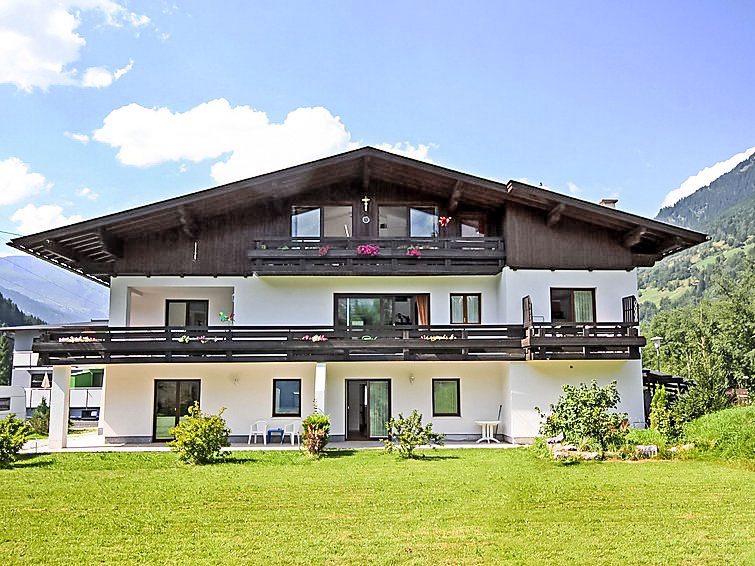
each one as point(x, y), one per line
point(320, 377)
point(59, 403)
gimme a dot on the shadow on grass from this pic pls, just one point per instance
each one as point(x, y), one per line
point(429, 457)
point(339, 453)
point(31, 461)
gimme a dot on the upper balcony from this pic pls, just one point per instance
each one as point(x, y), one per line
point(377, 256)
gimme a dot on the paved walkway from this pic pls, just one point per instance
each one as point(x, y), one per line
point(92, 442)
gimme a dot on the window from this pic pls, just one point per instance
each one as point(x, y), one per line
point(287, 397)
point(446, 398)
point(381, 310)
point(336, 221)
point(472, 227)
point(186, 313)
point(4, 403)
point(465, 309)
point(325, 221)
point(305, 222)
point(400, 222)
point(572, 305)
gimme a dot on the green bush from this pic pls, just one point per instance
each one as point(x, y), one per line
point(406, 434)
point(660, 414)
point(645, 436)
point(726, 434)
point(40, 419)
point(583, 416)
point(200, 437)
point(316, 430)
point(13, 434)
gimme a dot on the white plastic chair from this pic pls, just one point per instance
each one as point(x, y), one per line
point(292, 430)
point(259, 428)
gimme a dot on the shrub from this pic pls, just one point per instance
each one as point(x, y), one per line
point(13, 434)
point(541, 449)
point(40, 419)
point(660, 414)
point(726, 434)
point(316, 429)
point(199, 437)
point(406, 434)
point(583, 416)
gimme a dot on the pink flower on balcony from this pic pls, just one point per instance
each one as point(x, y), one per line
point(324, 249)
point(414, 251)
point(368, 249)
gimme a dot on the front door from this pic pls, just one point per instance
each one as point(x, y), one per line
point(368, 408)
point(173, 397)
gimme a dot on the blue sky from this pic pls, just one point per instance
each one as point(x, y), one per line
point(108, 104)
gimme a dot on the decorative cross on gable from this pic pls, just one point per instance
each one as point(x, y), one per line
point(365, 202)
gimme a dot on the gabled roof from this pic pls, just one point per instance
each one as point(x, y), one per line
point(79, 246)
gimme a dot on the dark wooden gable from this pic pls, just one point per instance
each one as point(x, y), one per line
point(210, 232)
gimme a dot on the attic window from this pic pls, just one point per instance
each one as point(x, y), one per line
point(325, 221)
point(402, 221)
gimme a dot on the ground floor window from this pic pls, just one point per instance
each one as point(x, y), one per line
point(287, 397)
point(4, 403)
point(446, 398)
point(465, 308)
point(572, 305)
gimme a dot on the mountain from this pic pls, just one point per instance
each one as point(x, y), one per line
point(725, 210)
point(51, 293)
point(698, 209)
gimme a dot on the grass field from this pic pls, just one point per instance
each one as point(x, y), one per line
point(364, 507)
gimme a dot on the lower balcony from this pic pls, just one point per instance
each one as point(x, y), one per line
point(97, 345)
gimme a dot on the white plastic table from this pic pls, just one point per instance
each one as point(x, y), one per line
point(488, 431)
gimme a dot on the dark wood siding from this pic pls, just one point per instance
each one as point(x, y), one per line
point(569, 244)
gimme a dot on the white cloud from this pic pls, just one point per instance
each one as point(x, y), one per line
point(100, 77)
point(573, 189)
point(88, 193)
point(83, 138)
point(18, 182)
point(31, 218)
point(243, 140)
point(705, 177)
point(39, 42)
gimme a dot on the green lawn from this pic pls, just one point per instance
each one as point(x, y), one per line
point(460, 507)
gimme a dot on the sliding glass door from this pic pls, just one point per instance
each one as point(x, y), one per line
point(368, 408)
point(173, 397)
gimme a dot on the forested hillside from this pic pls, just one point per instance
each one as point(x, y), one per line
point(725, 210)
point(11, 315)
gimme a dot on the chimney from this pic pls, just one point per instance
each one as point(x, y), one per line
point(609, 202)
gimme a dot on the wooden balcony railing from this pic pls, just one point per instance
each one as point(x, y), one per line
point(602, 340)
point(339, 256)
point(98, 345)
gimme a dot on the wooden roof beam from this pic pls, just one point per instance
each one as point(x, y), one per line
point(365, 174)
point(110, 244)
point(554, 214)
point(453, 202)
point(188, 222)
point(633, 237)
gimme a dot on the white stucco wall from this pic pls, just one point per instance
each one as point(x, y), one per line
point(610, 287)
point(538, 384)
point(296, 300)
point(277, 301)
point(246, 390)
point(481, 391)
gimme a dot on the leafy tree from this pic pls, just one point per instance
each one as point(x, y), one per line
point(660, 414)
point(583, 414)
point(405, 434)
point(6, 359)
